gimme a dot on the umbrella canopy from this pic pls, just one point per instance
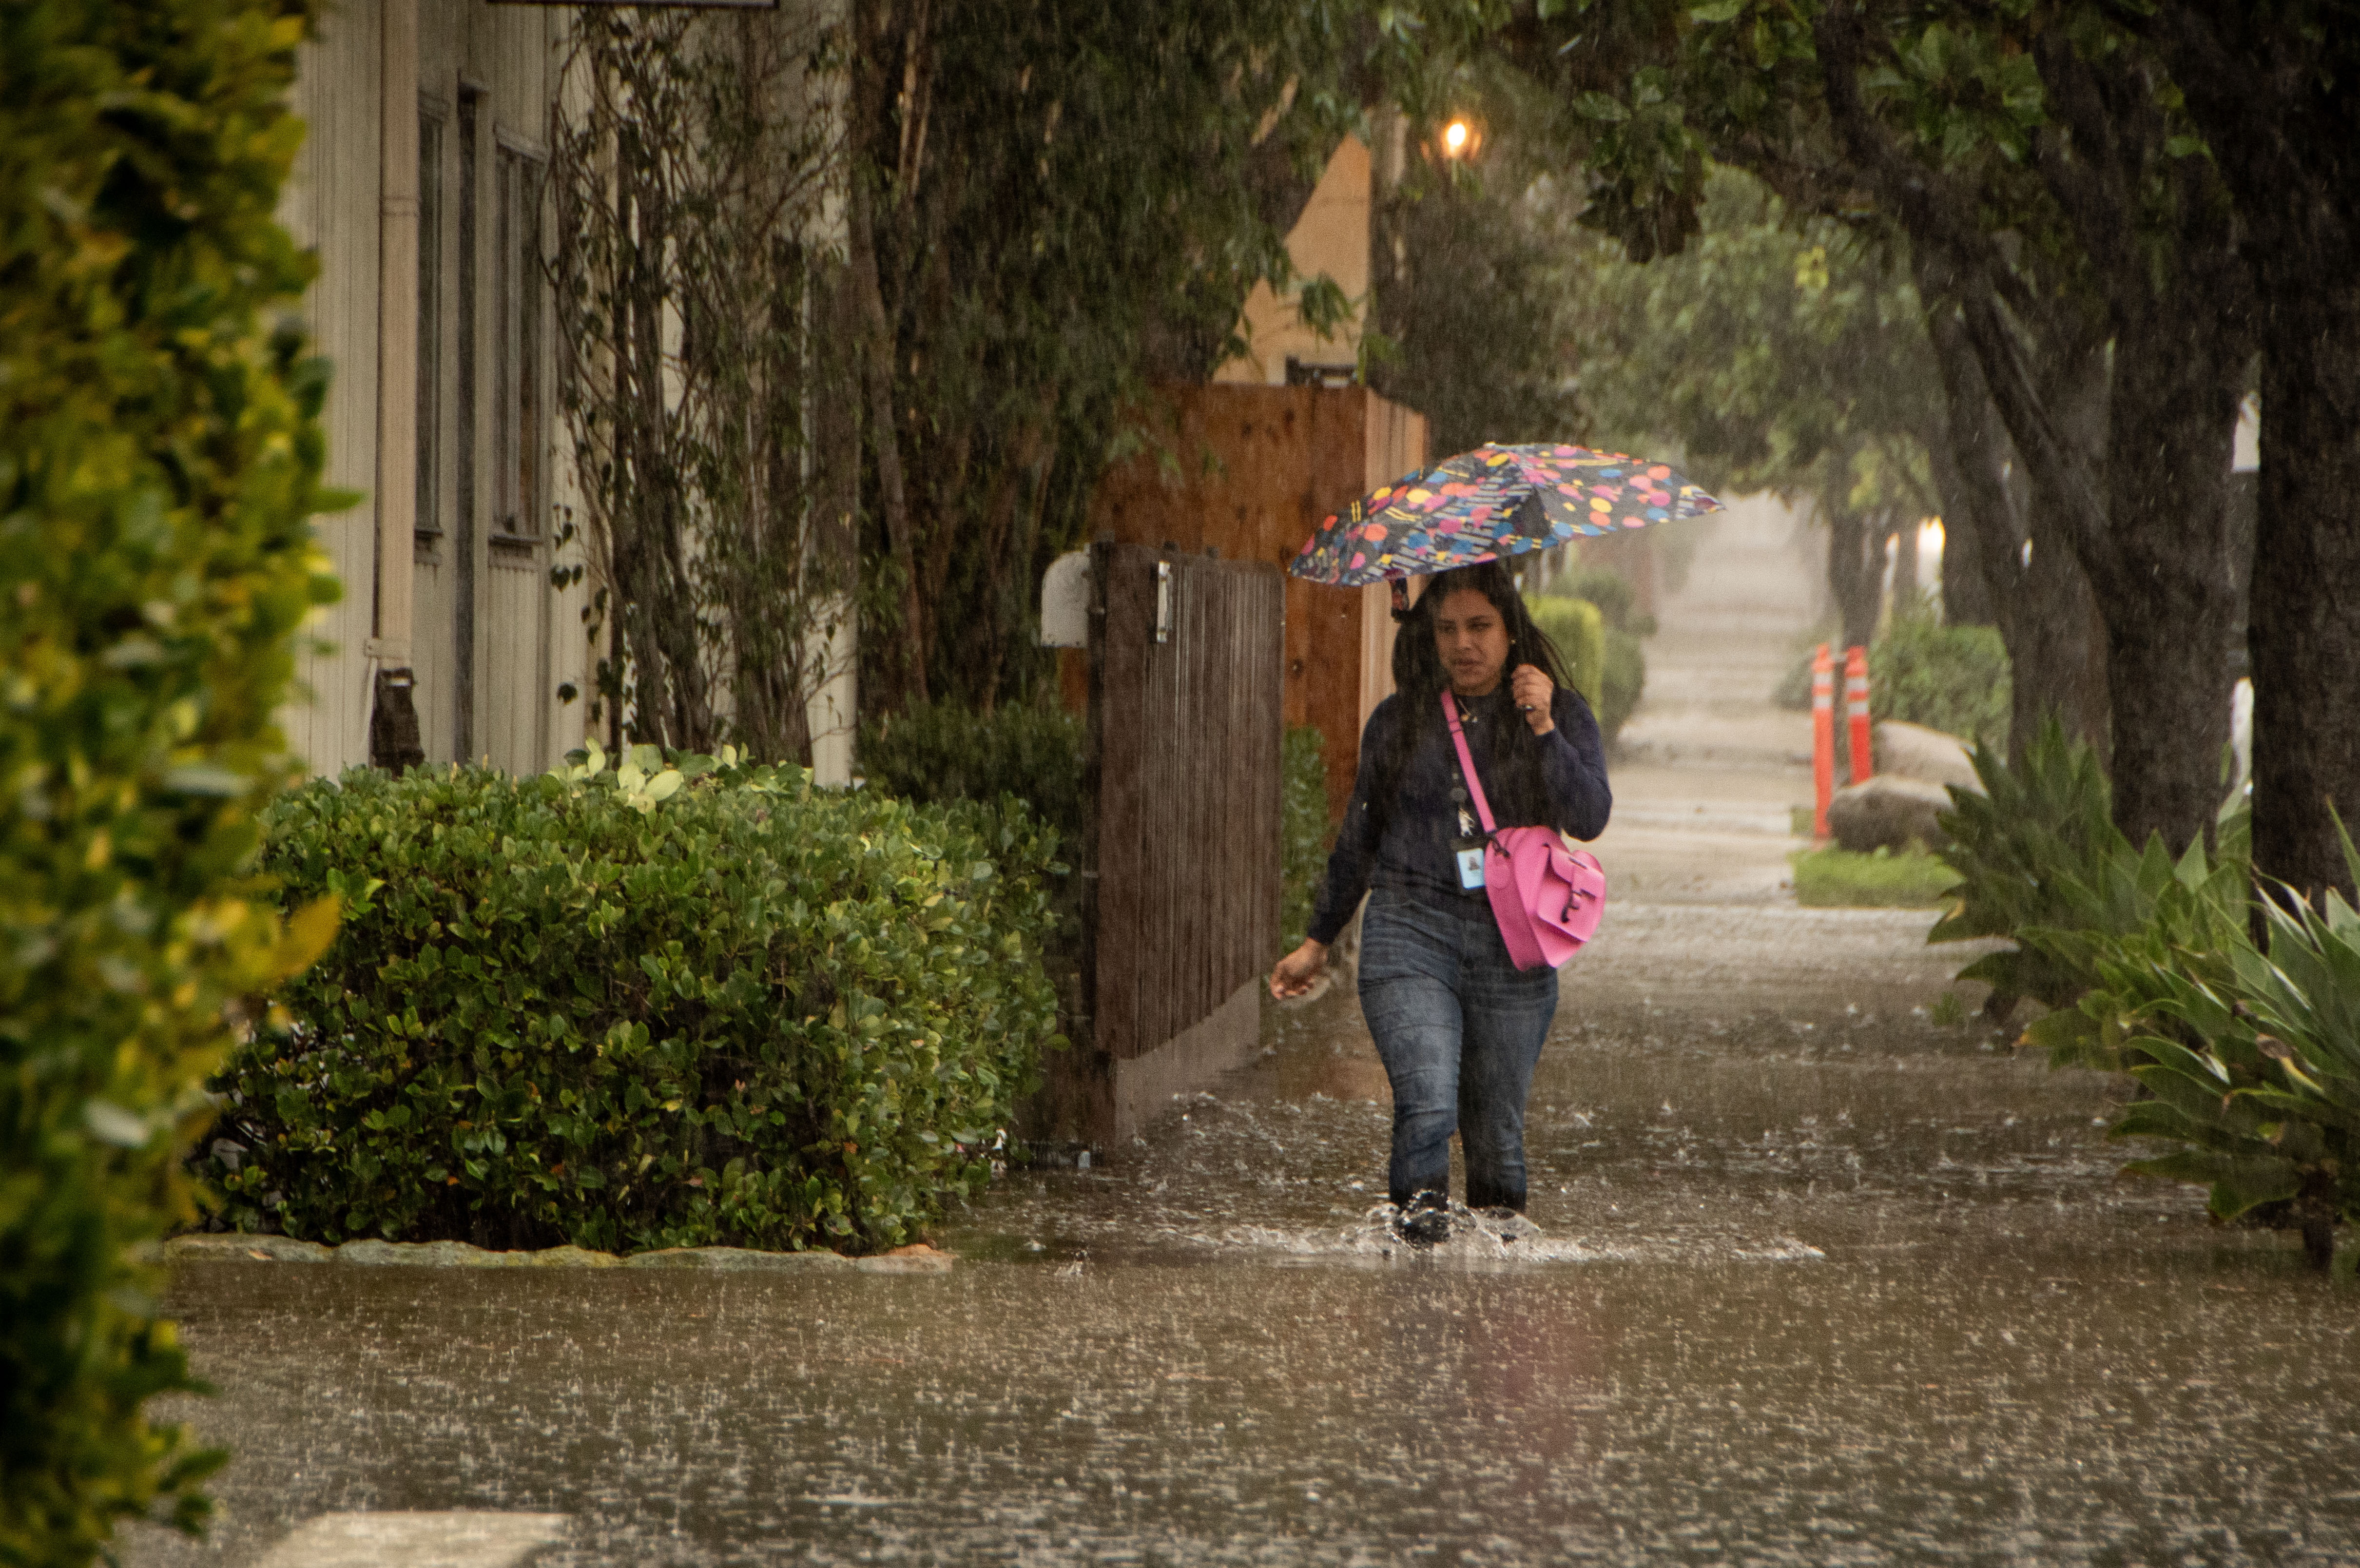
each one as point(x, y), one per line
point(1493, 502)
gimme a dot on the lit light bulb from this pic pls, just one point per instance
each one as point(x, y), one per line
point(1455, 137)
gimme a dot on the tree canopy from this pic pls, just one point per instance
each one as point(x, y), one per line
point(1779, 352)
point(2071, 242)
point(1056, 203)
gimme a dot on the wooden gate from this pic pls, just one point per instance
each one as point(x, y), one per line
point(1181, 867)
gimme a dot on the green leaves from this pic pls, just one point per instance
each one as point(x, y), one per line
point(1951, 678)
point(160, 459)
point(2037, 849)
point(1779, 351)
point(570, 1011)
point(2249, 1054)
point(1304, 831)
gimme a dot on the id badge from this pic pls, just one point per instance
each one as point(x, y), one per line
point(1471, 864)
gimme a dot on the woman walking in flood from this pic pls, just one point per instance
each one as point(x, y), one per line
point(1459, 1027)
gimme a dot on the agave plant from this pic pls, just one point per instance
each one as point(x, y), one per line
point(2196, 909)
point(2041, 862)
point(2265, 1104)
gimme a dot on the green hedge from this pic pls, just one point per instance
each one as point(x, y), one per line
point(1612, 592)
point(1306, 832)
point(942, 752)
point(1609, 667)
point(933, 753)
point(159, 455)
point(1621, 686)
point(1951, 678)
point(639, 1007)
point(1579, 633)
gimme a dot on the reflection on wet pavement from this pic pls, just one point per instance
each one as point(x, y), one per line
point(1807, 1279)
point(1804, 1282)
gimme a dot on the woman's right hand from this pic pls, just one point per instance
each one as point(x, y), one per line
point(1295, 973)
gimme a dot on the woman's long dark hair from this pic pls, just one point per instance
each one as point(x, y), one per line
point(1516, 795)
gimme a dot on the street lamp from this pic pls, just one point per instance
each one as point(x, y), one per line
point(1460, 140)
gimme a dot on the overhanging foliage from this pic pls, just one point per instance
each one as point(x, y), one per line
point(160, 457)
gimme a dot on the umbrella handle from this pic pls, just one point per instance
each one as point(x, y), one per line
point(1401, 599)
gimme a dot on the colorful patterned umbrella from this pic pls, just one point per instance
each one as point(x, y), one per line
point(1492, 503)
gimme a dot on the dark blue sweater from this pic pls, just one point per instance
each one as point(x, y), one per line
point(1414, 857)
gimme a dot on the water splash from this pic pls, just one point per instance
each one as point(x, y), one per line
point(1487, 1240)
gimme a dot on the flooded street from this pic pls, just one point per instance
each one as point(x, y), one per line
point(1808, 1278)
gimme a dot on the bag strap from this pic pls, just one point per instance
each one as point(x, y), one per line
point(1467, 762)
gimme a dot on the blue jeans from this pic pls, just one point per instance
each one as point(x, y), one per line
point(1459, 1029)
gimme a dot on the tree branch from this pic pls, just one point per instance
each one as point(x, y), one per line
point(1965, 264)
point(876, 356)
point(2087, 170)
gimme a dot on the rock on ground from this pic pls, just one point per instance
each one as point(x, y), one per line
point(1933, 756)
point(1887, 812)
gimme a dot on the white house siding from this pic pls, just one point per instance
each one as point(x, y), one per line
point(488, 646)
point(331, 205)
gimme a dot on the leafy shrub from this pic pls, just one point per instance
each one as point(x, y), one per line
point(938, 752)
point(1624, 681)
point(1608, 669)
point(2201, 903)
point(2041, 862)
point(2259, 1083)
point(1578, 629)
point(1307, 832)
point(651, 1006)
point(1951, 678)
point(1610, 591)
point(1793, 690)
point(159, 453)
point(2251, 1054)
point(1838, 878)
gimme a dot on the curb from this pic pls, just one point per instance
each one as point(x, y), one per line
point(917, 1258)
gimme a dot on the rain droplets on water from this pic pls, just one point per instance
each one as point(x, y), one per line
point(1807, 1278)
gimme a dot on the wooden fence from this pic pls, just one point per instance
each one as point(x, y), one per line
point(1181, 865)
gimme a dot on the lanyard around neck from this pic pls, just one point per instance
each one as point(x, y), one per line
point(1467, 761)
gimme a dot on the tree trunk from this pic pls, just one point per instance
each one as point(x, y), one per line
point(1965, 585)
point(2273, 97)
point(2064, 608)
point(2304, 633)
point(1905, 590)
point(2156, 234)
point(877, 338)
point(1855, 571)
point(2038, 596)
point(2064, 641)
point(2174, 415)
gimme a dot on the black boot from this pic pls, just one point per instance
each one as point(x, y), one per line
point(1426, 1222)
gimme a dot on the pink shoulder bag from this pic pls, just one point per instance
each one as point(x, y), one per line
point(1547, 895)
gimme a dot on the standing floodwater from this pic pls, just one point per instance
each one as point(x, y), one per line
point(1807, 1278)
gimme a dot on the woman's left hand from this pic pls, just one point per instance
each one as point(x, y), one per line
point(1534, 693)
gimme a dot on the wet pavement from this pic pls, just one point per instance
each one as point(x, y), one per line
point(1807, 1278)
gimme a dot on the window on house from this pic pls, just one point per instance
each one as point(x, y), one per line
point(517, 433)
point(462, 438)
point(429, 324)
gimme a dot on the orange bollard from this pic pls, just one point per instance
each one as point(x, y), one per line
point(1856, 709)
point(1823, 736)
